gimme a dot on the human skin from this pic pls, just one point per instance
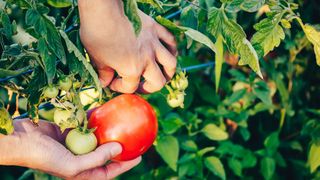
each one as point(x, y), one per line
point(41, 147)
point(114, 47)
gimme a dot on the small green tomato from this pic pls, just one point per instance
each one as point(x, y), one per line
point(80, 142)
point(65, 83)
point(50, 92)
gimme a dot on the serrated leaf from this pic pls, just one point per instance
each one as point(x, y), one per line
point(314, 37)
point(44, 27)
point(131, 10)
point(6, 123)
point(215, 166)
point(73, 49)
point(234, 37)
point(48, 60)
point(215, 21)
point(314, 157)
point(237, 43)
point(169, 156)
point(267, 167)
point(213, 132)
point(219, 59)
point(245, 5)
point(269, 34)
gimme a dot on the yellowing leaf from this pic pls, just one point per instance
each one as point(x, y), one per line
point(314, 157)
point(219, 61)
point(213, 132)
point(199, 37)
point(314, 37)
point(269, 34)
point(6, 126)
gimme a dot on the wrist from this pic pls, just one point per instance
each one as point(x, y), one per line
point(113, 8)
point(10, 150)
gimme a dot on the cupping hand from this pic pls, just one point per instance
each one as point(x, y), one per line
point(40, 147)
point(113, 47)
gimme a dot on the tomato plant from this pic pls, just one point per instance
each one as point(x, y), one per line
point(250, 106)
point(129, 120)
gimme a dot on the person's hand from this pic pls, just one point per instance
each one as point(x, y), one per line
point(109, 38)
point(40, 147)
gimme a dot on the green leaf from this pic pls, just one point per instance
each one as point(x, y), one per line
point(213, 132)
point(73, 49)
point(268, 167)
point(171, 123)
point(170, 25)
point(131, 10)
point(60, 3)
point(314, 157)
point(199, 37)
point(44, 27)
point(236, 96)
point(272, 141)
point(7, 26)
point(189, 145)
point(269, 34)
point(236, 40)
point(191, 33)
point(236, 166)
point(215, 166)
point(234, 37)
point(154, 3)
point(215, 21)
point(219, 61)
point(168, 148)
point(245, 5)
point(6, 123)
point(205, 150)
point(314, 37)
point(5, 72)
point(49, 61)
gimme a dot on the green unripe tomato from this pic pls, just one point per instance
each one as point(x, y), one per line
point(65, 83)
point(80, 142)
point(50, 92)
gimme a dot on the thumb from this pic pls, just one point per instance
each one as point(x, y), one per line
point(105, 76)
point(98, 157)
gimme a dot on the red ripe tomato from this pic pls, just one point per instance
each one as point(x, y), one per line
point(129, 120)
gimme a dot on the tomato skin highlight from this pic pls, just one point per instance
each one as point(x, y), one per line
point(129, 120)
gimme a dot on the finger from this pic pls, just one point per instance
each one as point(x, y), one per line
point(168, 38)
point(106, 76)
point(125, 84)
point(110, 171)
point(98, 157)
point(166, 59)
point(154, 79)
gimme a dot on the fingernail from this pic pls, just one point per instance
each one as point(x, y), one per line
point(116, 149)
